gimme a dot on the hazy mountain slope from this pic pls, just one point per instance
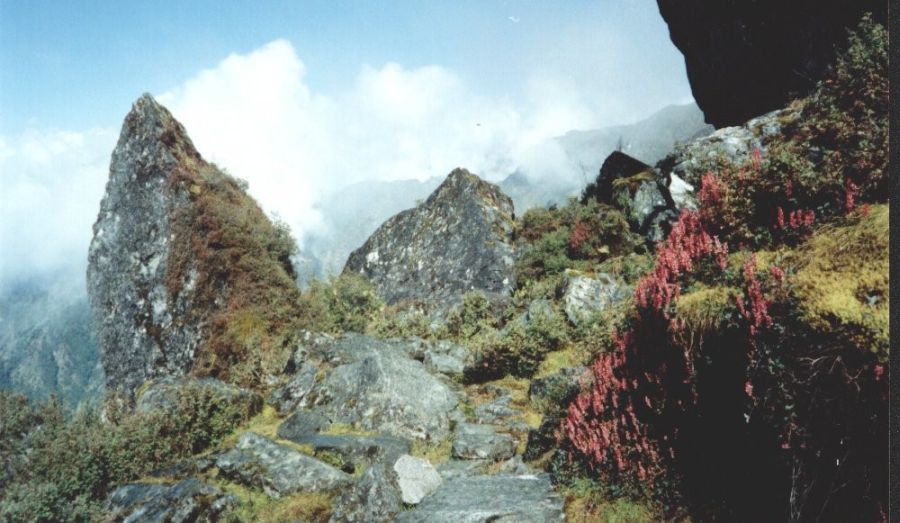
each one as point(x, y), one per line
point(47, 341)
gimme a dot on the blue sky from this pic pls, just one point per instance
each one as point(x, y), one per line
point(68, 64)
point(302, 98)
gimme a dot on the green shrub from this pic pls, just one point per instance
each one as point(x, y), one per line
point(64, 469)
point(344, 303)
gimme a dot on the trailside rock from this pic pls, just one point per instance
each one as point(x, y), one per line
point(374, 497)
point(260, 462)
point(383, 390)
point(584, 297)
point(174, 238)
point(458, 240)
point(474, 441)
point(746, 58)
point(416, 478)
point(183, 502)
point(480, 499)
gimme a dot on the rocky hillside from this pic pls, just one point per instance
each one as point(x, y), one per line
point(48, 343)
point(458, 240)
point(185, 274)
point(701, 339)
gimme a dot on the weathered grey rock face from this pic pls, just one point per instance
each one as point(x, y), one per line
point(141, 330)
point(584, 296)
point(479, 499)
point(459, 239)
point(170, 248)
point(184, 502)
point(746, 58)
point(280, 471)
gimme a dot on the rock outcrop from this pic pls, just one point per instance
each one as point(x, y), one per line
point(175, 239)
point(458, 240)
point(747, 58)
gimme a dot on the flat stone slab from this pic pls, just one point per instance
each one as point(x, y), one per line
point(278, 470)
point(481, 499)
point(474, 441)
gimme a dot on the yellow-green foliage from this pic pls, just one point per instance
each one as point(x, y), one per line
point(621, 510)
point(842, 284)
point(702, 310)
point(255, 506)
point(435, 452)
point(344, 303)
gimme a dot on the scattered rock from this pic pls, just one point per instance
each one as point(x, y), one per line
point(556, 389)
point(482, 442)
point(301, 424)
point(374, 497)
point(458, 240)
point(514, 465)
point(260, 462)
point(291, 395)
point(584, 297)
point(495, 411)
point(354, 452)
point(185, 501)
point(164, 394)
point(454, 468)
point(482, 499)
point(416, 477)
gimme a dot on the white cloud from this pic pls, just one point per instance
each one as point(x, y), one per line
point(256, 115)
point(51, 183)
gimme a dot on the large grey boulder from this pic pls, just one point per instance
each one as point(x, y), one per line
point(482, 499)
point(183, 502)
point(260, 462)
point(584, 297)
point(460, 239)
point(474, 441)
point(381, 389)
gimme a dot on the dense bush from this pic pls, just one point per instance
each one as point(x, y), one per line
point(576, 235)
point(61, 470)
